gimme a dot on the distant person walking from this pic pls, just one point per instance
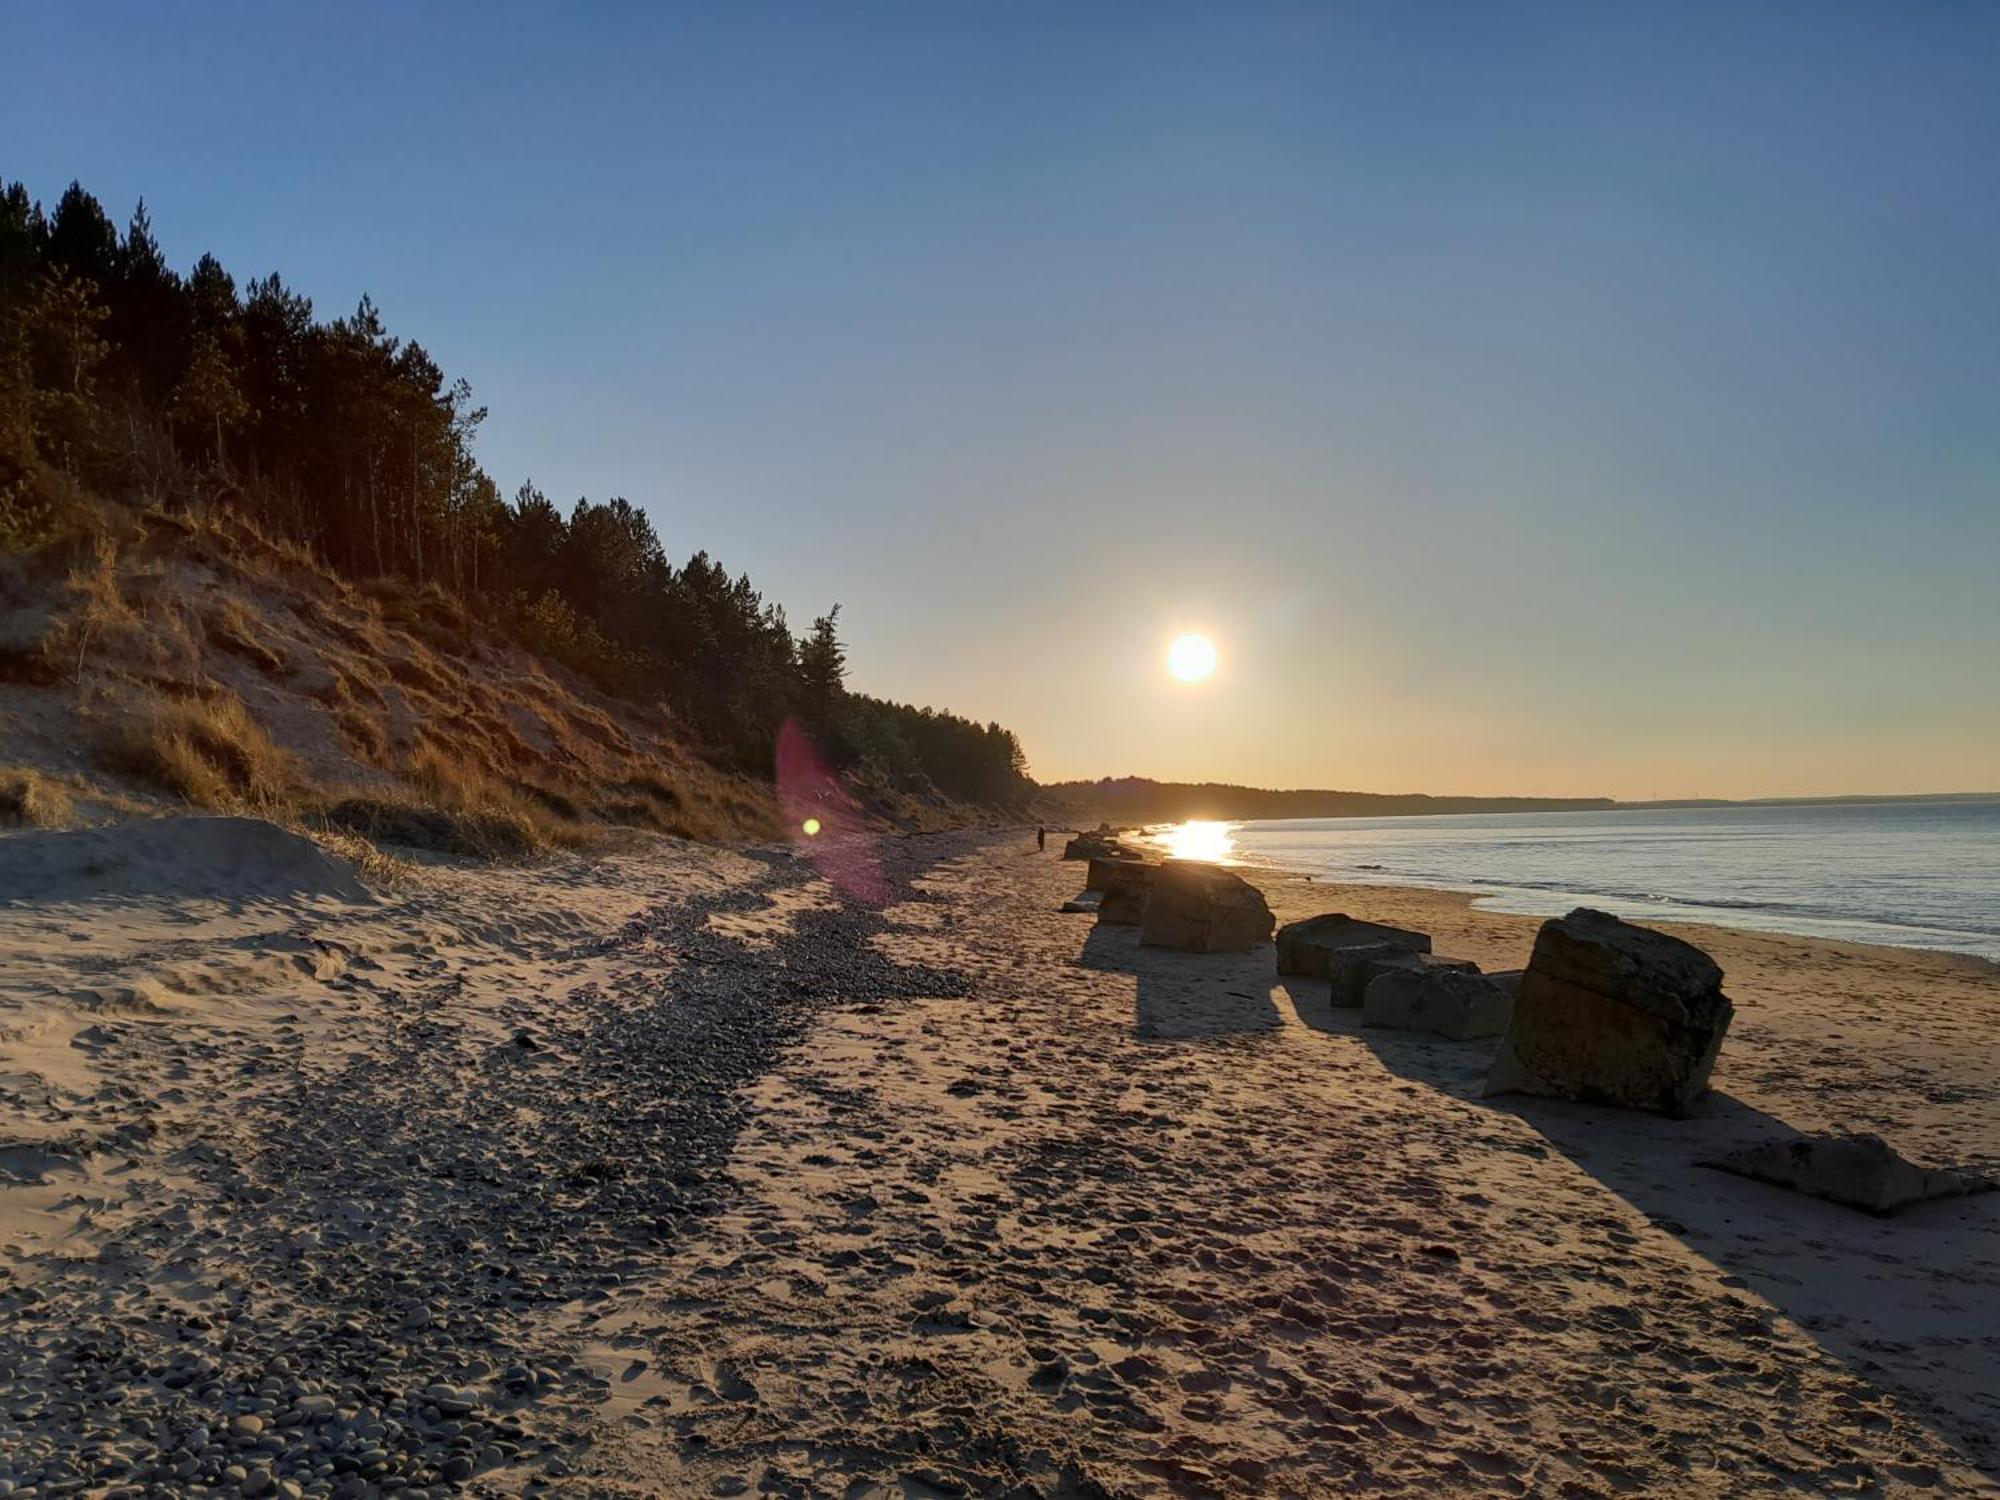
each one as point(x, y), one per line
point(1041, 840)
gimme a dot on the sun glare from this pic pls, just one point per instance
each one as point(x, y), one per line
point(1199, 839)
point(1191, 657)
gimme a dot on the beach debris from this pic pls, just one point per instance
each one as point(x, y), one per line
point(1435, 997)
point(1315, 946)
point(1860, 1171)
point(1100, 843)
point(1354, 970)
point(1123, 902)
point(1203, 908)
point(1613, 1013)
point(1086, 903)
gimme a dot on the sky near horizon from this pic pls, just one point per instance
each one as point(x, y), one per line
point(1540, 399)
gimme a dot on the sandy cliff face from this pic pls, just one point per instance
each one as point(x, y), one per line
point(174, 660)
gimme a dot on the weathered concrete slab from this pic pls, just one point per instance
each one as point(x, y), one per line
point(1306, 947)
point(1352, 970)
point(1444, 1002)
point(1613, 1013)
point(1127, 885)
point(1203, 908)
point(1861, 1171)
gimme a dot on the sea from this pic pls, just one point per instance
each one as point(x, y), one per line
point(1916, 874)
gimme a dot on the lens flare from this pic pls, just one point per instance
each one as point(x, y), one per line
point(1191, 657)
point(830, 828)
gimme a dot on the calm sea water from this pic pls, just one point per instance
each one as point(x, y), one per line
point(1913, 874)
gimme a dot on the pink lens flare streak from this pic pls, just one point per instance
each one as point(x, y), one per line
point(840, 846)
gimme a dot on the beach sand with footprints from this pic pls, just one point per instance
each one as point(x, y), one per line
point(673, 1171)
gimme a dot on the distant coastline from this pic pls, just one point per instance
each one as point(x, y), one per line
point(1865, 799)
point(1139, 799)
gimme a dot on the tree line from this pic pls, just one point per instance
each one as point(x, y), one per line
point(116, 369)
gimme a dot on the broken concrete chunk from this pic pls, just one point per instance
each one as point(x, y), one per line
point(1203, 908)
point(1861, 1171)
point(1613, 1013)
point(1103, 870)
point(1126, 887)
point(1446, 1002)
point(1307, 947)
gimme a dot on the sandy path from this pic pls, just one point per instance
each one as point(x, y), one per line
point(782, 1196)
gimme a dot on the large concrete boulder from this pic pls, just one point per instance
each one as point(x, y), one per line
point(1861, 1171)
point(1612, 1013)
point(1127, 884)
point(1307, 947)
point(1104, 870)
point(1099, 843)
point(1203, 908)
point(1351, 971)
point(1448, 1002)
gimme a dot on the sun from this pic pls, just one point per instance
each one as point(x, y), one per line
point(1191, 657)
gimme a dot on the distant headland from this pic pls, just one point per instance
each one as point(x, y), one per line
point(1136, 799)
point(1139, 799)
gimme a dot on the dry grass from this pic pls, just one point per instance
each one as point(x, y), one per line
point(437, 733)
point(239, 628)
point(376, 865)
point(366, 735)
point(512, 820)
point(204, 749)
point(424, 683)
point(355, 679)
point(414, 825)
point(100, 620)
point(28, 797)
point(596, 725)
point(351, 622)
point(429, 613)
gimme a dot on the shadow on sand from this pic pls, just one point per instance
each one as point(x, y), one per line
point(1908, 1303)
point(1187, 997)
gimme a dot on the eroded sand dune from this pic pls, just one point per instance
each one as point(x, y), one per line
point(182, 859)
point(674, 1173)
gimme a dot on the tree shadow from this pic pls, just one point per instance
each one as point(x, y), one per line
point(1905, 1302)
point(1187, 997)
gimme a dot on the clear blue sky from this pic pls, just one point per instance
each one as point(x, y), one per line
point(1596, 398)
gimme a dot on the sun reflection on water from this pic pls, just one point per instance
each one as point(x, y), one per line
point(1198, 840)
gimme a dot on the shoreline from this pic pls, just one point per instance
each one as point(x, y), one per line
point(1646, 913)
point(1700, 932)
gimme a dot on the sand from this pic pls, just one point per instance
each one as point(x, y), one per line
point(672, 1171)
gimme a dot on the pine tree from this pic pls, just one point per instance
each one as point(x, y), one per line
point(823, 669)
point(82, 240)
point(209, 396)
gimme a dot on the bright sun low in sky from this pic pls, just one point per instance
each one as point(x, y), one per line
point(1191, 658)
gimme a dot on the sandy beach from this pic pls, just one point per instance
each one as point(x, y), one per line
point(669, 1171)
